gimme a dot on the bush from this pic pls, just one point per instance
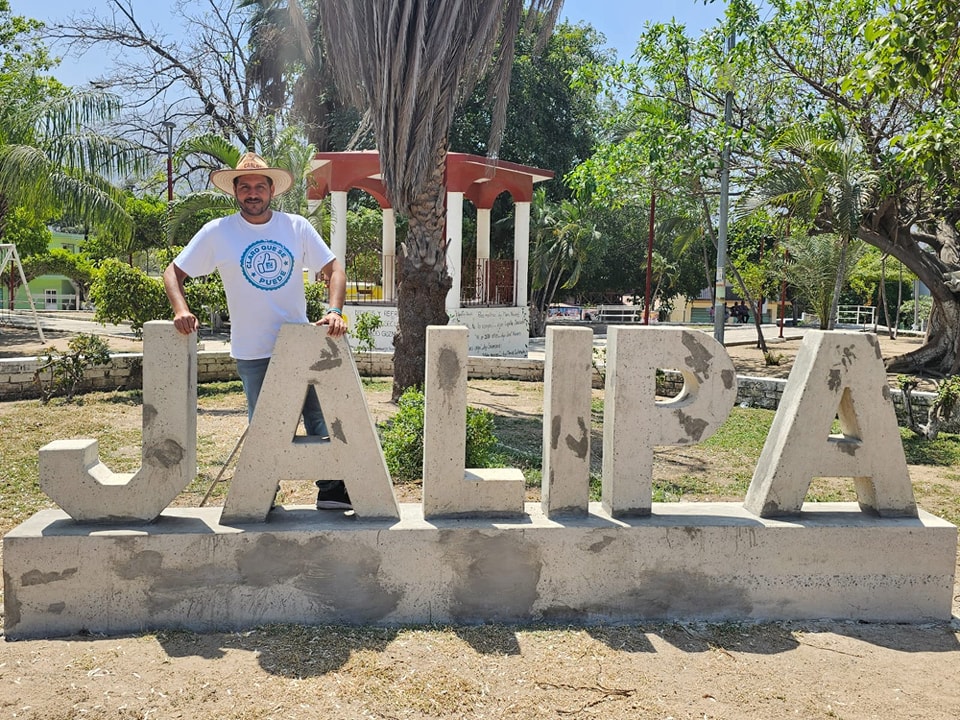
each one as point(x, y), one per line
point(316, 294)
point(67, 369)
point(367, 323)
point(402, 437)
point(122, 293)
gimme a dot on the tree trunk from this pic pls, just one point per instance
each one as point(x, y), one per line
point(423, 280)
point(939, 354)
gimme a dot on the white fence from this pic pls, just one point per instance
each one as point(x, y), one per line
point(862, 315)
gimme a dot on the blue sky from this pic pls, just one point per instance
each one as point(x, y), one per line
point(620, 21)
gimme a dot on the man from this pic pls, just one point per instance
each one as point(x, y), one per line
point(261, 254)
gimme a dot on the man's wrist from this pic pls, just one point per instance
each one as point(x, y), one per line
point(335, 310)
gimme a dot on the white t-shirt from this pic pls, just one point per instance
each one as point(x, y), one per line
point(262, 269)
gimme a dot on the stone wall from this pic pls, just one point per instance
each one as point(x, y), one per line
point(125, 372)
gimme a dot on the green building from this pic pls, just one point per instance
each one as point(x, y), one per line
point(50, 292)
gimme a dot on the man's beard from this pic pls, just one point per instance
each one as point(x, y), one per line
point(255, 208)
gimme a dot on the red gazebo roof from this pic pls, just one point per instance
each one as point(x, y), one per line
point(479, 178)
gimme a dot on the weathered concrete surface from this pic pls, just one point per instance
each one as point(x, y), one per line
point(449, 488)
point(635, 421)
point(837, 375)
point(73, 476)
point(565, 488)
point(305, 355)
point(685, 561)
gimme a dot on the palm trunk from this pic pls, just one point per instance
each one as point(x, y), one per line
point(838, 284)
point(423, 280)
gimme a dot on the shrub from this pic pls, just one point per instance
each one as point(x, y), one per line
point(123, 293)
point(402, 437)
point(67, 369)
point(316, 293)
point(367, 323)
point(772, 358)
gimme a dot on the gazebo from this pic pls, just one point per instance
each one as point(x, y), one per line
point(489, 298)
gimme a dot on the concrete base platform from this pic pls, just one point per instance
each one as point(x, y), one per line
point(687, 561)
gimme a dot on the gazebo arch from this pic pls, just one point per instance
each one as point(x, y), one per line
point(471, 177)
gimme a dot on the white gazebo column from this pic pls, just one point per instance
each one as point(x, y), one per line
point(483, 233)
point(338, 225)
point(389, 255)
point(454, 247)
point(521, 250)
point(483, 252)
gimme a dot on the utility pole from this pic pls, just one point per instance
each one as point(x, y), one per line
point(720, 291)
point(169, 125)
point(647, 299)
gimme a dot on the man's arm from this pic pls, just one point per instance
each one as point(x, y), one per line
point(183, 320)
point(336, 280)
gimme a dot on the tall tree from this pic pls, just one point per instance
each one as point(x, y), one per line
point(288, 65)
point(831, 183)
point(411, 62)
point(51, 159)
point(203, 79)
point(567, 110)
point(563, 238)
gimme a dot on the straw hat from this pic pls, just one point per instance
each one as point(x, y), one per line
point(252, 164)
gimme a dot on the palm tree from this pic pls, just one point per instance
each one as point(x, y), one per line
point(830, 183)
point(288, 65)
point(812, 270)
point(410, 62)
point(53, 160)
point(563, 239)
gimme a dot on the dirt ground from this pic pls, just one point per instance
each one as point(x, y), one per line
point(847, 670)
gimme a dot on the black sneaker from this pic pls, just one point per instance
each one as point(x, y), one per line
point(333, 496)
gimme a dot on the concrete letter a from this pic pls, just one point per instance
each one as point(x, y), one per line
point(836, 374)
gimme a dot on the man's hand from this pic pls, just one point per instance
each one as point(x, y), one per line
point(186, 323)
point(336, 325)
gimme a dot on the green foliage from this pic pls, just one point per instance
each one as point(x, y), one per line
point(316, 293)
point(53, 159)
point(402, 437)
point(364, 228)
point(364, 326)
point(24, 229)
point(61, 372)
point(563, 238)
point(948, 395)
point(944, 451)
point(126, 294)
point(148, 217)
point(567, 113)
point(205, 295)
point(923, 306)
point(812, 270)
point(481, 439)
point(772, 358)
point(58, 261)
point(598, 359)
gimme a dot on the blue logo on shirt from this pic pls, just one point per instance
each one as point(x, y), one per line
point(267, 265)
